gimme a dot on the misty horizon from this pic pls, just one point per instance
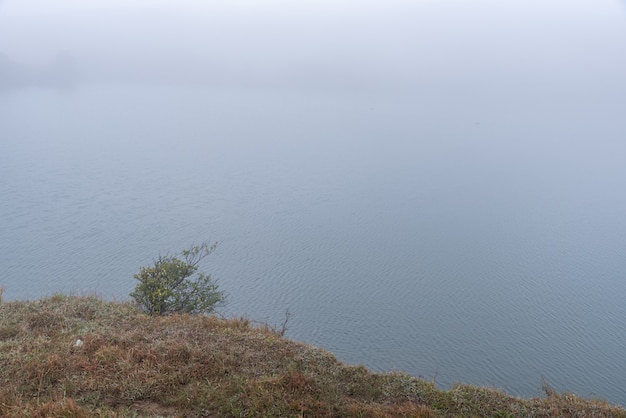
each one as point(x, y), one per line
point(397, 47)
point(432, 186)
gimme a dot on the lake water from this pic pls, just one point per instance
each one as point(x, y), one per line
point(442, 193)
point(471, 246)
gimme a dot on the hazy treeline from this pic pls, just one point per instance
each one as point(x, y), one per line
point(61, 73)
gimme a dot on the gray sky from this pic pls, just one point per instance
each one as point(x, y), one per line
point(321, 43)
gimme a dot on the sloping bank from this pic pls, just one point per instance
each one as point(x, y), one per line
point(82, 356)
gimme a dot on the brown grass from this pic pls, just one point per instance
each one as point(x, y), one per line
point(130, 364)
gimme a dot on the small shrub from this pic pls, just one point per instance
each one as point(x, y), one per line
point(168, 286)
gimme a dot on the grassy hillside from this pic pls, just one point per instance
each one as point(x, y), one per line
point(81, 356)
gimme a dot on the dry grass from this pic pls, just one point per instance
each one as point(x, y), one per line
point(130, 364)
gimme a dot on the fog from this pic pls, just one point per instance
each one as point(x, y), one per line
point(434, 186)
point(488, 47)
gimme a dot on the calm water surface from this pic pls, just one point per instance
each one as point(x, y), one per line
point(455, 210)
point(473, 247)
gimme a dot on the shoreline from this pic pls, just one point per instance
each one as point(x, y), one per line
point(83, 356)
